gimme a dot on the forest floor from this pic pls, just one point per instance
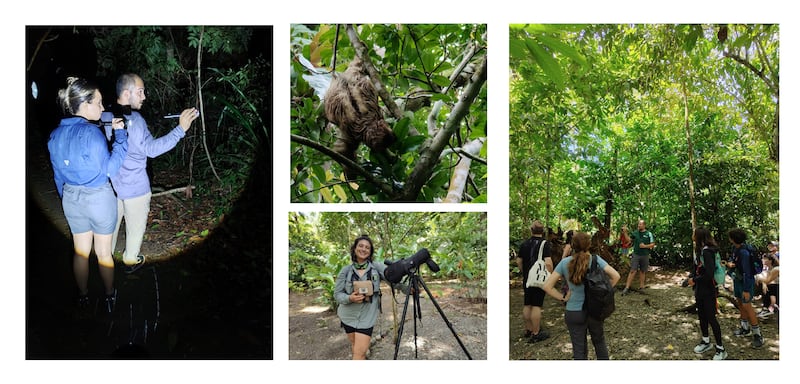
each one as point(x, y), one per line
point(199, 295)
point(651, 324)
point(315, 332)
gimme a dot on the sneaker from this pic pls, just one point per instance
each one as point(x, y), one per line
point(741, 332)
point(703, 347)
point(758, 341)
point(721, 354)
point(111, 300)
point(542, 335)
point(134, 267)
point(625, 291)
point(763, 314)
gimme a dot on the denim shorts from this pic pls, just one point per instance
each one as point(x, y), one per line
point(90, 209)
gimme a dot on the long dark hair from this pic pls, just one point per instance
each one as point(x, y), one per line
point(703, 238)
point(355, 244)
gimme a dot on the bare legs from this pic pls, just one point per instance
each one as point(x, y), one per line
point(82, 243)
point(360, 343)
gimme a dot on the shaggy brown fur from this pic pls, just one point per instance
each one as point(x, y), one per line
point(352, 104)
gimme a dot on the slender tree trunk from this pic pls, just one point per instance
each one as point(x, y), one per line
point(547, 195)
point(690, 152)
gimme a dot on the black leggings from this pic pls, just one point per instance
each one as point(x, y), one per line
point(707, 312)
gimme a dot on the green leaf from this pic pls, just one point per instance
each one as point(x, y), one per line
point(545, 59)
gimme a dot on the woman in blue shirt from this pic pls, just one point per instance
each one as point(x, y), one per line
point(82, 166)
point(573, 269)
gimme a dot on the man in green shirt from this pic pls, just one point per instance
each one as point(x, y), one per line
point(642, 242)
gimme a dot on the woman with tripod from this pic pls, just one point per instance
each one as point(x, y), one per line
point(357, 290)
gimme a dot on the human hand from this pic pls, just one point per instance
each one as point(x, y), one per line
point(117, 123)
point(356, 297)
point(691, 282)
point(187, 117)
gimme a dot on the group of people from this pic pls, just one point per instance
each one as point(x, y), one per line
point(99, 166)
point(746, 280)
point(638, 245)
point(572, 269)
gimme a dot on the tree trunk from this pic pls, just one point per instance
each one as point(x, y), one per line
point(690, 152)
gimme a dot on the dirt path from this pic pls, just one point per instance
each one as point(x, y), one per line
point(315, 333)
point(645, 326)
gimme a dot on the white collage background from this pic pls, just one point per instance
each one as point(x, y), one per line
point(497, 15)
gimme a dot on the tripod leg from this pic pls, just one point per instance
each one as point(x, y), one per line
point(400, 328)
point(441, 313)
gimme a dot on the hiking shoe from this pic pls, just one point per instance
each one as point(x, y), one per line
point(111, 300)
point(721, 354)
point(758, 341)
point(741, 332)
point(542, 335)
point(703, 347)
point(134, 267)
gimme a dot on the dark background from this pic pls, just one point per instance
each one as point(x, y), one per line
point(214, 301)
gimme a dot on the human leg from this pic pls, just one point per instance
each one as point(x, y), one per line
point(82, 244)
point(120, 215)
point(577, 326)
point(598, 338)
point(136, 213)
point(644, 265)
point(360, 346)
point(102, 248)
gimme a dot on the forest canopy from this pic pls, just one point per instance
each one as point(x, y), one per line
point(673, 124)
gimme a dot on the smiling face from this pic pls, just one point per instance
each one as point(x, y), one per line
point(363, 250)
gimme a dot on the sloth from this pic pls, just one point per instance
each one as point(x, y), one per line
point(351, 103)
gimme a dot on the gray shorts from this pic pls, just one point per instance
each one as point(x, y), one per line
point(640, 263)
point(90, 209)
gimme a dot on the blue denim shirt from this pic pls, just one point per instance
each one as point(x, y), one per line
point(132, 180)
point(79, 154)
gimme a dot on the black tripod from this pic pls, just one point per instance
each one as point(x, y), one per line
point(414, 282)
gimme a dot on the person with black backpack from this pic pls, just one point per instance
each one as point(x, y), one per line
point(745, 262)
point(702, 281)
point(577, 317)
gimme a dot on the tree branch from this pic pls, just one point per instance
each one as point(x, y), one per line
point(385, 188)
point(173, 190)
point(458, 182)
point(433, 147)
point(363, 54)
point(753, 69)
point(200, 101)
